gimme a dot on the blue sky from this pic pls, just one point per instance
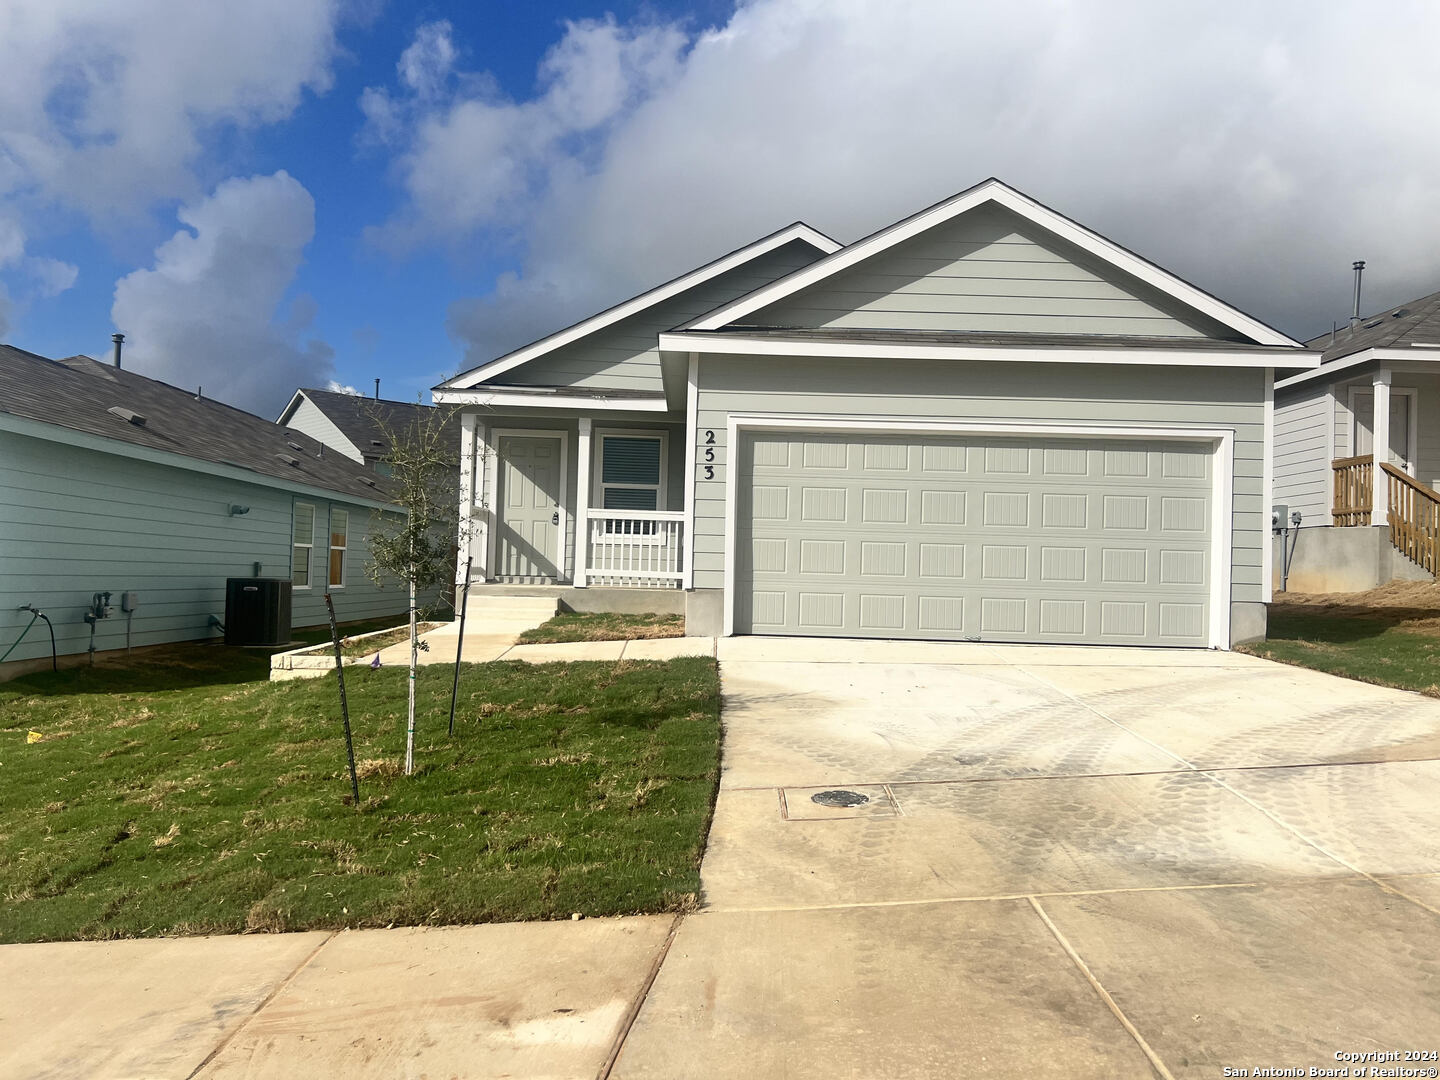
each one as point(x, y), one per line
point(296, 191)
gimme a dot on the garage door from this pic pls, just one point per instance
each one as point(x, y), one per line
point(991, 539)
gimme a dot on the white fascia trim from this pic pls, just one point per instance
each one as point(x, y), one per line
point(739, 345)
point(289, 410)
point(609, 317)
point(534, 399)
point(1222, 510)
point(997, 192)
point(38, 429)
point(1429, 356)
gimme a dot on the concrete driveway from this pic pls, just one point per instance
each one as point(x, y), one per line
point(1067, 862)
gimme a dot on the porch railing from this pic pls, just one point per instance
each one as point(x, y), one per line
point(1353, 498)
point(636, 548)
point(1414, 517)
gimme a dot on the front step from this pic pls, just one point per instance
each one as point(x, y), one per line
point(487, 613)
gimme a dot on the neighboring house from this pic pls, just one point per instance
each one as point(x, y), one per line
point(1363, 523)
point(984, 422)
point(356, 426)
point(112, 482)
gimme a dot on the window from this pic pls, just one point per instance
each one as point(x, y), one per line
point(339, 538)
point(302, 542)
point(631, 472)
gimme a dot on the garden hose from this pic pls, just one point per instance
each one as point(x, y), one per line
point(21, 638)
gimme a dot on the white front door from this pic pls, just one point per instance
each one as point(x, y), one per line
point(527, 541)
point(1401, 403)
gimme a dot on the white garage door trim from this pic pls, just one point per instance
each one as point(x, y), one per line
point(1222, 439)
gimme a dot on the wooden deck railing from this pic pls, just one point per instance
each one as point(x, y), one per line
point(1414, 517)
point(1353, 496)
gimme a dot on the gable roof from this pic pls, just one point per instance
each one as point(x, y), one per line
point(994, 191)
point(362, 420)
point(1412, 325)
point(791, 233)
point(81, 394)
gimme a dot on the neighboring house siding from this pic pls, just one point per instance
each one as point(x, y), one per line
point(309, 420)
point(1302, 452)
point(1427, 419)
point(78, 521)
point(987, 270)
point(625, 357)
point(359, 597)
point(1081, 394)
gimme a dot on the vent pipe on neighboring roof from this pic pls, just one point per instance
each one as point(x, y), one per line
point(377, 389)
point(1359, 267)
point(119, 340)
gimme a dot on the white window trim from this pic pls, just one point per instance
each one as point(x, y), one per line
point(1412, 441)
point(330, 548)
point(309, 548)
point(1222, 496)
point(492, 493)
point(630, 530)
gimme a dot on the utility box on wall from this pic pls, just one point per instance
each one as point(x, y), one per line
point(257, 611)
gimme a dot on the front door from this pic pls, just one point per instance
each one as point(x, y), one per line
point(1400, 402)
point(527, 547)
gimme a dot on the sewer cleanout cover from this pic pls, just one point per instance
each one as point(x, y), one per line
point(839, 798)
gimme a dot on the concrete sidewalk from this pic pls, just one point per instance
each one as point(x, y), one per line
point(521, 1000)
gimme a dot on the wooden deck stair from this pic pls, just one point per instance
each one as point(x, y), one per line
point(1413, 512)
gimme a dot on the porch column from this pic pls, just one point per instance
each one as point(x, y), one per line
point(468, 472)
point(1380, 447)
point(582, 506)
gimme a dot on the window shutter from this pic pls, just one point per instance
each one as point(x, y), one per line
point(631, 461)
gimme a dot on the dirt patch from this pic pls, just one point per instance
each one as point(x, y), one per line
point(1415, 605)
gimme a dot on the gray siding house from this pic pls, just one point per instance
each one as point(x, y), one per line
point(358, 427)
point(984, 422)
point(112, 482)
point(1364, 519)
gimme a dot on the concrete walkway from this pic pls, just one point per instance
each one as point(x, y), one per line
point(1067, 863)
point(480, 648)
point(1045, 862)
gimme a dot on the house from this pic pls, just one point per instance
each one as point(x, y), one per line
point(112, 482)
point(984, 422)
point(1362, 522)
point(356, 426)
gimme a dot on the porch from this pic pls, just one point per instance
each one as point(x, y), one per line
point(576, 504)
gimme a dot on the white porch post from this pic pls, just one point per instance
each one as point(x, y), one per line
point(582, 506)
point(467, 500)
point(1380, 447)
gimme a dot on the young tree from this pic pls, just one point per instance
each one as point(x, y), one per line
point(418, 547)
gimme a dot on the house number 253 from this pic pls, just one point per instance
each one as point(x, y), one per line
point(709, 455)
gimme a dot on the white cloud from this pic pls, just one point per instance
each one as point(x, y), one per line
point(336, 387)
point(469, 158)
point(1253, 148)
point(211, 312)
point(106, 105)
point(52, 277)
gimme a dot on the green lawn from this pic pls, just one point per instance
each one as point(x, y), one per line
point(183, 795)
point(1374, 647)
point(605, 626)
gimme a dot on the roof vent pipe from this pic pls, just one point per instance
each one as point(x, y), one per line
point(119, 340)
point(1359, 267)
point(377, 389)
